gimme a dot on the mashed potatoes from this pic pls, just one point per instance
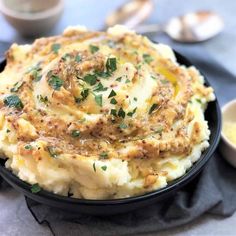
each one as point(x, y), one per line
point(100, 115)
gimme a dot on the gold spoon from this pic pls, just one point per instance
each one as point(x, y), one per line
point(130, 14)
point(190, 28)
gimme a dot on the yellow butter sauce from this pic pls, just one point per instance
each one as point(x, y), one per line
point(169, 76)
point(229, 130)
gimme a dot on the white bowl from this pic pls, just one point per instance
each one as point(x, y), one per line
point(228, 148)
point(32, 17)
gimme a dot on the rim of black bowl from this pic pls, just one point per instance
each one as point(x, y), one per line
point(171, 186)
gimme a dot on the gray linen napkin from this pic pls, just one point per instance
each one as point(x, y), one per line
point(213, 191)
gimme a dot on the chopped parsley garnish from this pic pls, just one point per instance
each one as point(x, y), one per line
point(112, 94)
point(84, 94)
point(35, 188)
point(99, 88)
point(103, 155)
point(103, 74)
point(164, 81)
point(93, 48)
point(104, 168)
point(135, 99)
point(52, 151)
point(139, 66)
point(153, 77)
point(147, 58)
point(113, 101)
point(75, 133)
point(55, 82)
point(13, 101)
point(43, 99)
point(119, 79)
point(131, 113)
point(55, 47)
point(8, 131)
point(111, 65)
point(35, 72)
point(158, 130)
point(16, 87)
point(153, 107)
point(113, 112)
point(65, 57)
point(94, 167)
point(127, 81)
point(90, 79)
point(123, 126)
point(121, 113)
point(98, 99)
point(78, 58)
point(198, 100)
point(28, 147)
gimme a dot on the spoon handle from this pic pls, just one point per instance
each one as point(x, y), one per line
point(151, 28)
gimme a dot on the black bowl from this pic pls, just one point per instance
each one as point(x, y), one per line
point(116, 206)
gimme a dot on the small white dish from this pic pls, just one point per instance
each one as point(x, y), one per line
point(32, 17)
point(227, 147)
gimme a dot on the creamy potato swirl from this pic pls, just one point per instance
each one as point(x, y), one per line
point(100, 115)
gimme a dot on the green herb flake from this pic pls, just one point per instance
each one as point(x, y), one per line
point(16, 87)
point(28, 147)
point(198, 100)
point(93, 48)
point(139, 66)
point(66, 56)
point(55, 47)
point(119, 79)
point(123, 126)
point(52, 151)
point(103, 74)
point(84, 94)
point(43, 99)
point(153, 107)
point(113, 101)
point(98, 99)
point(132, 112)
point(121, 113)
point(153, 77)
point(113, 112)
point(78, 58)
point(104, 168)
point(8, 131)
point(111, 64)
point(158, 130)
point(94, 167)
point(135, 99)
point(164, 81)
point(127, 81)
point(100, 88)
point(147, 58)
point(112, 94)
point(55, 82)
point(75, 133)
point(103, 155)
point(90, 79)
point(35, 72)
point(13, 101)
point(35, 188)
